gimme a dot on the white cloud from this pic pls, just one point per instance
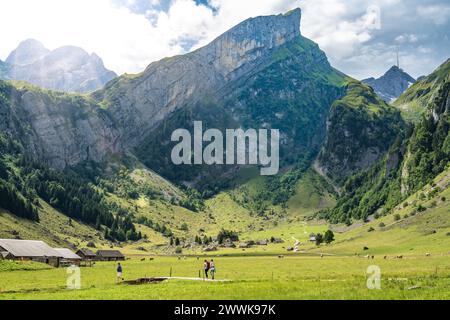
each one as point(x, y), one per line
point(407, 38)
point(128, 40)
point(330, 24)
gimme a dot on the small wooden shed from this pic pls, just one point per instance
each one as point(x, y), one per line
point(87, 256)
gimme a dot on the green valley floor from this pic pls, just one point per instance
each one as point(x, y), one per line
point(251, 277)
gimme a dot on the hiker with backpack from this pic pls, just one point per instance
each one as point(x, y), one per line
point(119, 273)
point(212, 267)
point(206, 267)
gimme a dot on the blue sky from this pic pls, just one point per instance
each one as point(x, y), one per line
point(360, 37)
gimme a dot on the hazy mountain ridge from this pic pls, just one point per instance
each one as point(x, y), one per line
point(68, 68)
point(28, 52)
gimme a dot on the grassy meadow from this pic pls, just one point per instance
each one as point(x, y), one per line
point(251, 277)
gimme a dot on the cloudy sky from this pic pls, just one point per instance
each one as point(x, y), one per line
point(360, 37)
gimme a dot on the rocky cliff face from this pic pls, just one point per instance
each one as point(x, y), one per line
point(234, 53)
point(56, 128)
point(392, 84)
point(69, 69)
point(141, 102)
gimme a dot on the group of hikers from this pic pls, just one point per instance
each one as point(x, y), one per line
point(209, 266)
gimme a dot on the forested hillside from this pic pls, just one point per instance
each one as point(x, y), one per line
point(409, 165)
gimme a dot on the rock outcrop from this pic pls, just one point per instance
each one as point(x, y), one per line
point(57, 128)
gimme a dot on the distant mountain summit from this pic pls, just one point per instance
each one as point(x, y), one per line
point(67, 68)
point(392, 84)
point(27, 52)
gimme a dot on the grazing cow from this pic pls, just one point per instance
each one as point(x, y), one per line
point(385, 257)
point(280, 257)
point(399, 257)
point(151, 259)
point(428, 254)
point(373, 257)
point(143, 259)
point(321, 255)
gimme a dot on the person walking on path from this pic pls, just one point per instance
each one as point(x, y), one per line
point(119, 273)
point(206, 267)
point(212, 266)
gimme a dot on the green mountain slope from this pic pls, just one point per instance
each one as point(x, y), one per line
point(361, 128)
point(410, 164)
point(413, 103)
point(418, 225)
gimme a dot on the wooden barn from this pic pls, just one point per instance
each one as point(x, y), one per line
point(87, 256)
point(68, 257)
point(110, 255)
point(28, 250)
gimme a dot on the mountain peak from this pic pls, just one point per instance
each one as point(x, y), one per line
point(27, 52)
point(392, 84)
point(270, 31)
point(396, 70)
point(250, 40)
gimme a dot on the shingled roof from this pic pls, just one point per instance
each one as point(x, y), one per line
point(87, 253)
point(110, 254)
point(68, 254)
point(28, 249)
